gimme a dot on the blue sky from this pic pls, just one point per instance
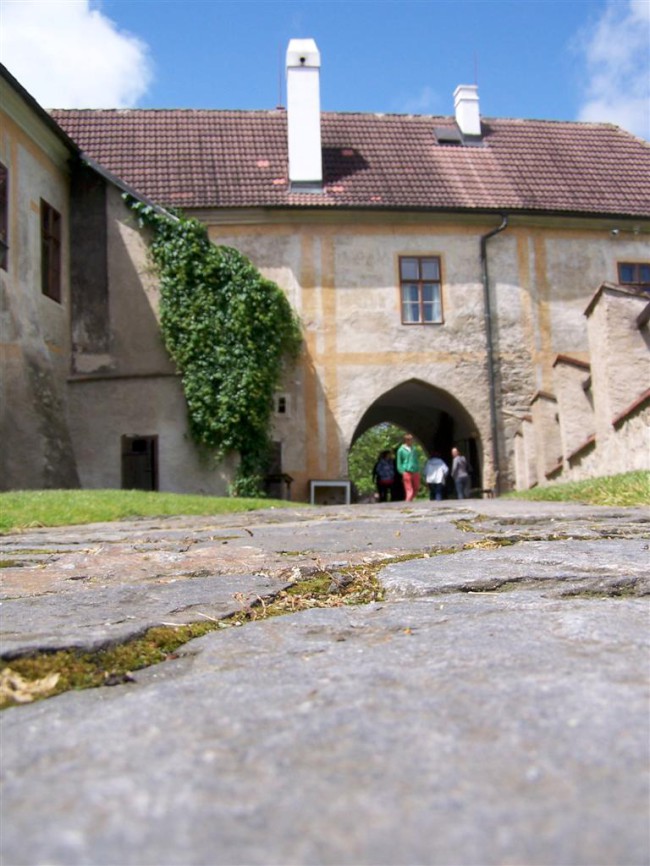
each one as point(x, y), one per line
point(570, 60)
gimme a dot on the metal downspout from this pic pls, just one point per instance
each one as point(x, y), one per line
point(490, 348)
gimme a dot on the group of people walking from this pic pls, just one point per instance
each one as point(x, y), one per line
point(399, 477)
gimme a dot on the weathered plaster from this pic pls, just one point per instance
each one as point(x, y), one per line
point(34, 329)
point(604, 406)
point(342, 278)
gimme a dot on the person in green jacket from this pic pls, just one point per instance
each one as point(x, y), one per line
point(408, 465)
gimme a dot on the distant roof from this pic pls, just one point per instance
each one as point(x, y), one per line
point(214, 159)
point(48, 119)
point(44, 116)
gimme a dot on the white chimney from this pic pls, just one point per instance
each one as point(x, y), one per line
point(303, 114)
point(468, 116)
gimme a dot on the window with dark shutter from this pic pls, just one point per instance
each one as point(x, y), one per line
point(50, 252)
point(4, 216)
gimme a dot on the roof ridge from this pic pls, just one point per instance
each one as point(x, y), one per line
point(336, 113)
point(104, 110)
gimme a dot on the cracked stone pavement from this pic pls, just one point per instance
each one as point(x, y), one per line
point(492, 709)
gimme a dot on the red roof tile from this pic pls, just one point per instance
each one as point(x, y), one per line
point(196, 159)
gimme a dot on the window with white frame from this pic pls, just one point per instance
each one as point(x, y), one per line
point(420, 290)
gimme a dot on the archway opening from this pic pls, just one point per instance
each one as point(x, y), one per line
point(436, 419)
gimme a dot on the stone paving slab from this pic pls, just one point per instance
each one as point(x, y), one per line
point(107, 582)
point(273, 542)
point(472, 733)
point(600, 568)
point(93, 618)
point(494, 709)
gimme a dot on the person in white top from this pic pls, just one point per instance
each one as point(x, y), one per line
point(435, 474)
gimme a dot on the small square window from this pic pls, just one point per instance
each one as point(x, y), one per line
point(634, 274)
point(282, 404)
point(420, 290)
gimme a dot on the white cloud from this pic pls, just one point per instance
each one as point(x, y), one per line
point(67, 54)
point(617, 54)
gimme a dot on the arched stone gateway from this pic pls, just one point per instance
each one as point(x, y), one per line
point(435, 417)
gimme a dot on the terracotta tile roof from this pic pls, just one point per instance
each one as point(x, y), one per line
point(203, 158)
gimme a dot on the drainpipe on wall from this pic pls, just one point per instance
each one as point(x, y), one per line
point(490, 348)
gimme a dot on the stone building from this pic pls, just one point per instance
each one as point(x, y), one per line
point(440, 267)
point(597, 421)
point(87, 389)
point(36, 447)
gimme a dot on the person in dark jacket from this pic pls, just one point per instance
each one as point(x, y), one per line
point(383, 474)
point(460, 472)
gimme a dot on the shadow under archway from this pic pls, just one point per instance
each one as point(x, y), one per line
point(434, 417)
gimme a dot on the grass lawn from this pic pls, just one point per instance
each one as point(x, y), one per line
point(631, 488)
point(23, 509)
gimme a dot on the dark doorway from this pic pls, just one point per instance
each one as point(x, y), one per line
point(277, 484)
point(139, 463)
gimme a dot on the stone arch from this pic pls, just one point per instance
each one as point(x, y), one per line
point(434, 417)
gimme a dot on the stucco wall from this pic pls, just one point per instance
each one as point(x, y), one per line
point(525, 455)
point(630, 442)
point(575, 404)
point(548, 446)
point(585, 464)
point(34, 329)
point(605, 430)
point(133, 389)
point(105, 410)
point(625, 448)
point(342, 280)
point(341, 275)
point(137, 344)
point(620, 354)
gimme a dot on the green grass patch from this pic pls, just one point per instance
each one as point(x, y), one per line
point(27, 509)
point(44, 675)
point(85, 670)
point(631, 488)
